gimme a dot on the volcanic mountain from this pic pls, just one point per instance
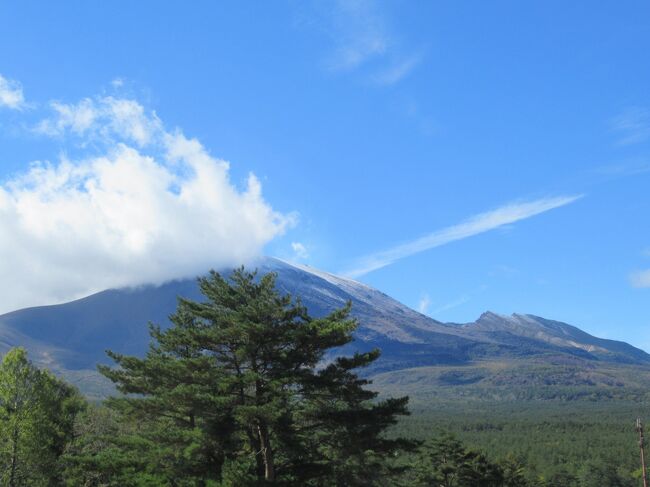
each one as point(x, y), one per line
point(72, 338)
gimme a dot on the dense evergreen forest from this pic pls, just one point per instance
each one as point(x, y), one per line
point(558, 443)
point(241, 391)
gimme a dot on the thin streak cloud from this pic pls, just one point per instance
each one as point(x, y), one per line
point(475, 225)
point(451, 305)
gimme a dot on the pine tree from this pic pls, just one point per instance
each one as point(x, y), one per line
point(239, 384)
point(110, 450)
point(445, 462)
point(514, 472)
point(37, 413)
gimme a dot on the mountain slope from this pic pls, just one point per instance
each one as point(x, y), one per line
point(512, 329)
point(72, 338)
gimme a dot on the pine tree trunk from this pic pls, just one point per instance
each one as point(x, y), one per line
point(267, 452)
point(255, 445)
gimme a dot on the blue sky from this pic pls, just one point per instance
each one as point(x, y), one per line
point(459, 156)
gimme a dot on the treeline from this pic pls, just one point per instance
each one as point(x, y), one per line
point(238, 392)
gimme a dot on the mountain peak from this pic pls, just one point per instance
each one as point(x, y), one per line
point(489, 316)
point(75, 335)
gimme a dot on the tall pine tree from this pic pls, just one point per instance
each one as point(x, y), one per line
point(237, 392)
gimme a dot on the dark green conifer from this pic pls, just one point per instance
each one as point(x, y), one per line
point(238, 391)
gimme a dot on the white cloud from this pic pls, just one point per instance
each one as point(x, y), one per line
point(103, 119)
point(359, 31)
point(11, 94)
point(473, 226)
point(154, 206)
point(424, 303)
point(640, 278)
point(633, 125)
point(300, 252)
point(362, 38)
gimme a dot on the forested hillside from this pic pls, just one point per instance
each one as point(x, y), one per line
point(241, 390)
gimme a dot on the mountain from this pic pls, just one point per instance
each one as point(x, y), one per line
point(71, 338)
point(537, 331)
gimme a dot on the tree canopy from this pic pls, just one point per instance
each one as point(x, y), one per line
point(246, 388)
point(37, 413)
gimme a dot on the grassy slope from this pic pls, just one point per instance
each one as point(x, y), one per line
point(518, 380)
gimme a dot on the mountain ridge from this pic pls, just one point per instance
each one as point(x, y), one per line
point(71, 338)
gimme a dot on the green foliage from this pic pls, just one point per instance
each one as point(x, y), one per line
point(514, 472)
point(234, 392)
point(109, 451)
point(245, 389)
point(549, 443)
point(599, 472)
point(445, 462)
point(37, 413)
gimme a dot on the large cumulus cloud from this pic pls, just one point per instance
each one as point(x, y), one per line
point(154, 205)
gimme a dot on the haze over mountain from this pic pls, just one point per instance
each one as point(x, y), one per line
point(72, 338)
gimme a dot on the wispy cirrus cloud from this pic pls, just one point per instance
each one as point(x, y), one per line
point(362, 37)
point(11, 94)
point(475, 225)
point(397, 71)
point(359, 32)
point(424, 303)
point(627, 168)
point(452, 304)
point(145, 205)
point(632, 126)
